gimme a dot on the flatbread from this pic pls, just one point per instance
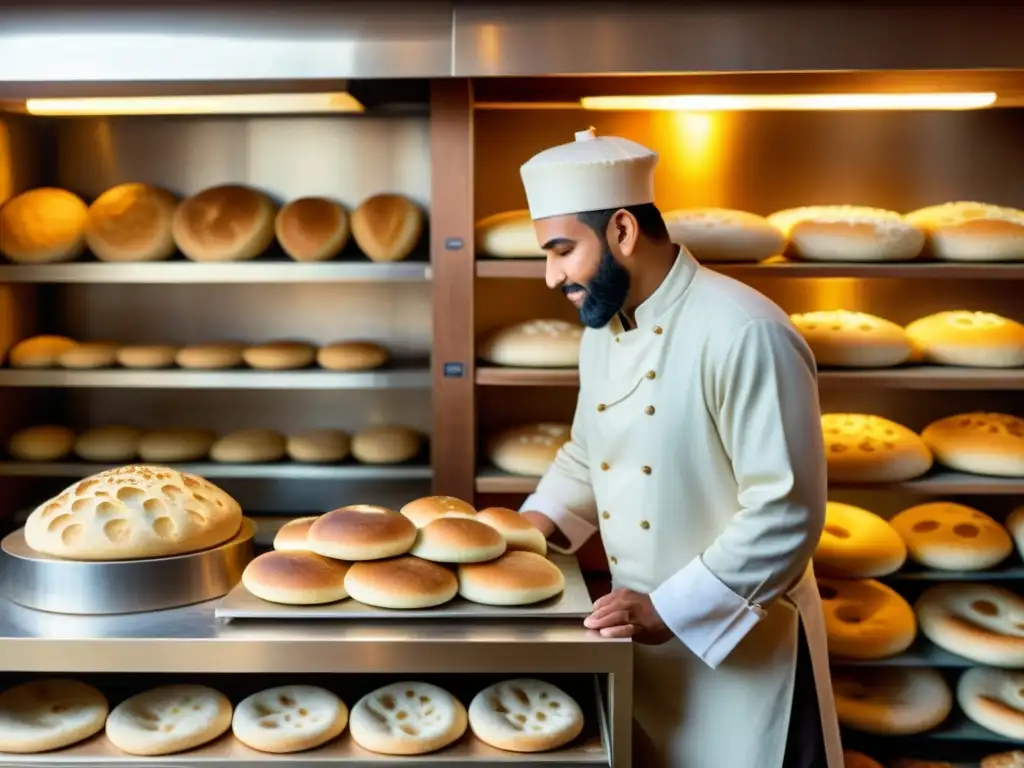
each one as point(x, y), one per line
point(525, 715)
point(407, 718)
point(168, 720)
point(291, 718)
point(44, 715)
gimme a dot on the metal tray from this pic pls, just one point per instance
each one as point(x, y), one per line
point(573, 603)
point(132, 586)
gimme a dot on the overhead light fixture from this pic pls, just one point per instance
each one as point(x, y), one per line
point(787, 102)
point(235, 104)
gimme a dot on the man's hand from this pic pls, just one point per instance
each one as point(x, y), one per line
point(625, 613)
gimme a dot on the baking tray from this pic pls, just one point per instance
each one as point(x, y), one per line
point(573, 603)
point(53, 585)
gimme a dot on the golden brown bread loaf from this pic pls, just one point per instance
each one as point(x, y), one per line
point(857, 544)
point(386, 445)
point(108, 445)
point(515, 578)
point(279, 355)
point(131, 222)
point(387, 227)
point(430, 508)
point(312, 229)
point(89, 355)
point(41, 443)
point(352, 356)
point(952, 537)
point(296, 577)
point(862, 448)
point(43, 226)
point(865, 619)
point(528, 450)
point(39, 351)
point(975, 339)
point(216, 355)
point(508, 235)
point(404, 582)
point(225, 223)
point(361, 532)
point(147, 356)
point(978, 442)
point(969, 231)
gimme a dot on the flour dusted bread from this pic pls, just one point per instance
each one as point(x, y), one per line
point(352, 356)
point(458, 540)
point(857, 544)
point(362, 532)
point(407, 718)
point(535, 344)
point(848, 233)
point(969, 231)
point(994, 699)
point(41, 443)
point(249, 446)
point(175, 445)
point(146, 356)
point(893, 701)
point(508, 235)
point(865, 619)
point(724, 235)
point(49, 714)
point(518, 532)
point(843, 339)
point(515, 578)
point(217, 355)
point(131, 513)
point(108, 445)
point(89, 355)
point(39, 351)
point(430, 508)
point(43, 226)
point(528, 450)
point(952, 537)
point(525, 715)
point(401, 583)
point(293, 535)
point(312, 229)
point(168, 720)
point(387, 227)
point(853, 759)
point(131, 222)
point(861, 448)
point(977, 621)
point(970, 339)
point(280, 355)
point(978, 442)
point(318, 446)
point(296, 578)
point(291, 718)
point(386, 445)
point(226, 223)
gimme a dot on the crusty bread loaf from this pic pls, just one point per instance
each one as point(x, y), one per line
point(293, 535)
point(724, 235)
point(43, 226)
point(968, 231)
point(407, 718)
point(168, 720)
point(249, 446)
point(225, 223)
point(458, 540)
point(48, 714)
point(295, 577)
point(318, 446)
point(857, 544)
point(853, 759)
point(848, 233)
point(975, 339)
point(862, 448)
point(845, 339)
point(387, 227)
point(312, 229)
point(352, 356)
point(952, 537)
point(430, 508)
point(508, 235)
point(109, 445)
point(215, 355)
point(516, 529)
point(515, 578)
point(401, 583)
point(45, 442)
point(39, 351)
point(175, 445)
point(131, 222)
point(89, 355)
point(865, 619)
point(146, 356)
point(528, 450)
point(280, 355)
point(992, 698)
point(497, 715)
point(386, 445)
point(362, 532)
point(290, 718)
point(132, 513)
point(977, 442)
point(535, 344)
point(891, 701)
point(978, 621)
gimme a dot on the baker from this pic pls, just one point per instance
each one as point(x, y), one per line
point(697, 454)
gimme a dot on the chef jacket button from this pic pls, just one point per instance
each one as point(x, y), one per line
point(657, 330)
point(601, 406)
point(651, 374)
point(613, 560)
point(646, 470)
point(606, 514)
point(649, 410)
point(604, 466)
point(616, 339)
point(645, 525)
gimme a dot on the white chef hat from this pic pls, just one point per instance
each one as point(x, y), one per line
point(591, 174)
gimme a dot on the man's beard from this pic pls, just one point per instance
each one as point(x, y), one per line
point(605, 294)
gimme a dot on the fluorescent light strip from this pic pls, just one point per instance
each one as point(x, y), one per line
point(239, 104)
point(786, 102)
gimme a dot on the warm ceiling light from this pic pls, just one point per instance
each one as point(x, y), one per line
point(270, 103)
point(805, 101)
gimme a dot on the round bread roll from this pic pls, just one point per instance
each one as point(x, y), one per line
point(39, 351)
point(894, 701)
point(458, 540)
point(528, 450)
point(46, 442)
point(175, 445)
point(970, 339)
point(407, 718)
point(525, 715)
point(968, 231)
point(994, 699)
point(386, 445)
point(858, 760)
point(848, 233)
point(296, 578)
point(291, 537)
point(108, 445)
point(147, 356)
point(318, 446)
point(857, 544)
point(280, 355)
point(131, 222)
point(865, 619)
point(44, 715)
point(952, 537)
point(387, 227)
point(1012, 759)
point(980, 622)
point(361, 532)
point(43, 226)
point(89, 355)
point(861, 448)
point(292, 718)
point(1015, 525)
point(168, 720)
point(312, 229)
point(724, 235)
point(979, 443)
point(515, 578)
point(843, 339)
point(216, 355)
point(519, 534)
point(249, 446)
point(225, 223)
point(508, 235)
point(401, 583)
point(430, 508)
point(352, 356)
point(535, 344)
point(133, 513)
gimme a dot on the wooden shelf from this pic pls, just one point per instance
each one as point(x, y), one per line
point(527, 377)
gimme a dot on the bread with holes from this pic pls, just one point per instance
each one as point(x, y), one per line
point(290, 718)
point(969, 339)
point(842, 339)
point(994, 699)
point(361, 532)
point(458, 540)
point(978, 621)
point(168, 720)
point(132, 513)
point(292, 536)
point(891, 701)
point(979, 443)
point(44, 442)
point(857, 544)
point(724, 234)
point(401, 583)
point(848, 233)
point(861, 448)
point(970, 231)
point(48, 714)
point(952, 537)
point(865, 619)
point(853, 759)
point(528, 450)
point(430, 508)
point(508, 235)
point(519, 533)
point(534, 344)
point(515, 578)
point(525, 715)
point(1012, 759)
point(407, 718)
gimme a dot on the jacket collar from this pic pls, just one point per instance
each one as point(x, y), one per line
point(671, 290)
